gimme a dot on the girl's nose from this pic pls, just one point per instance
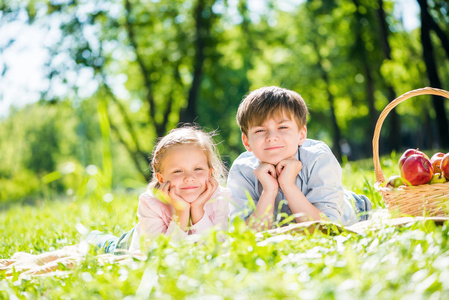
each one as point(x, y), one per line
point(189, 177)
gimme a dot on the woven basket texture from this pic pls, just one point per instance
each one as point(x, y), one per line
point(421, 200)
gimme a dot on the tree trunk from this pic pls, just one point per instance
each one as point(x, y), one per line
point(395, 129)
point(440, 33)
point(432, 73)
point(369, 82)
point(189, 114)
point(336, 137)
point(135, 151)
point(137, 154)
point(336, 148)
point(144, 69)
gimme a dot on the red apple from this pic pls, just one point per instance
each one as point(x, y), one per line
point(444, 166)
point(416, 170)
point(409, 152)
point(436, 161)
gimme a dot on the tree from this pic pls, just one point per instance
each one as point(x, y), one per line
point(391, 93)
point(432, 72)
point(158, 63)
point(149, 44)
point(204, 19)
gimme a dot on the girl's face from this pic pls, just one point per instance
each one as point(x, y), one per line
point(187, 169)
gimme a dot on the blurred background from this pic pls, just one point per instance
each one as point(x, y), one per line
point(86, 87)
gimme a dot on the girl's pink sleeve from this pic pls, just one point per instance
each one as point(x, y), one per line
point(155, 218)
point(216, 212)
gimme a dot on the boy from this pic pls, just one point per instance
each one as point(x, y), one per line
point(282, 170)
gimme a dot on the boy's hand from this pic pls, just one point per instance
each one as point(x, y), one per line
point(287, 170)
point(211, 187)
point(266, 174)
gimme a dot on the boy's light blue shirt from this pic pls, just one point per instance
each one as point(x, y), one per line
point(319, 180)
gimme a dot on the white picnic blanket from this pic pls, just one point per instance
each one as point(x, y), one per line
point(58, 262)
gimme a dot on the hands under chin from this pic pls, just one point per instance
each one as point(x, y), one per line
point(178, 203)
point(281, 175)
point(287, 170)
point(211, 187)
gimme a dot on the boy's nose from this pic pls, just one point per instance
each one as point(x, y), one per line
point(271, 136)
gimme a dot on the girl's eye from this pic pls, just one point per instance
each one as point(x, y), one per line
point(283, 127)
point(177, 171)
point(198, 169)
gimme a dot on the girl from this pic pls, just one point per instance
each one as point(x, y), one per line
point(183, 197)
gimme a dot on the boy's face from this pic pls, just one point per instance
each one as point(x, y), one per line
point(276, 139)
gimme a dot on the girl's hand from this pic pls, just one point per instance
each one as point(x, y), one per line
point(197, 206)
point(266, 174)
point(182, 208)
point(174, 199)
point(287, 170)
point(211, 187)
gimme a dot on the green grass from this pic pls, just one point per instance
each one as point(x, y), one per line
point(392, 263)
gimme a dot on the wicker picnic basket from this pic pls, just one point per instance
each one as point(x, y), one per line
point(421, 200)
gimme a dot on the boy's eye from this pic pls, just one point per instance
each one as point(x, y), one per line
point(259, 130)
point(283, 127)
point(198, 169)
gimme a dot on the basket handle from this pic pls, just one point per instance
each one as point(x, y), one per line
point(424, 91)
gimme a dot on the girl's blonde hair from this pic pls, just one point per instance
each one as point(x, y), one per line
point(187, 135)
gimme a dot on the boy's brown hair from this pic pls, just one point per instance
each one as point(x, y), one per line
point(268, 102)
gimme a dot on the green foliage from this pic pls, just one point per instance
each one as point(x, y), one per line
point(151, 60)
point(50, 149)
point(32, 142)
point(22, 185)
